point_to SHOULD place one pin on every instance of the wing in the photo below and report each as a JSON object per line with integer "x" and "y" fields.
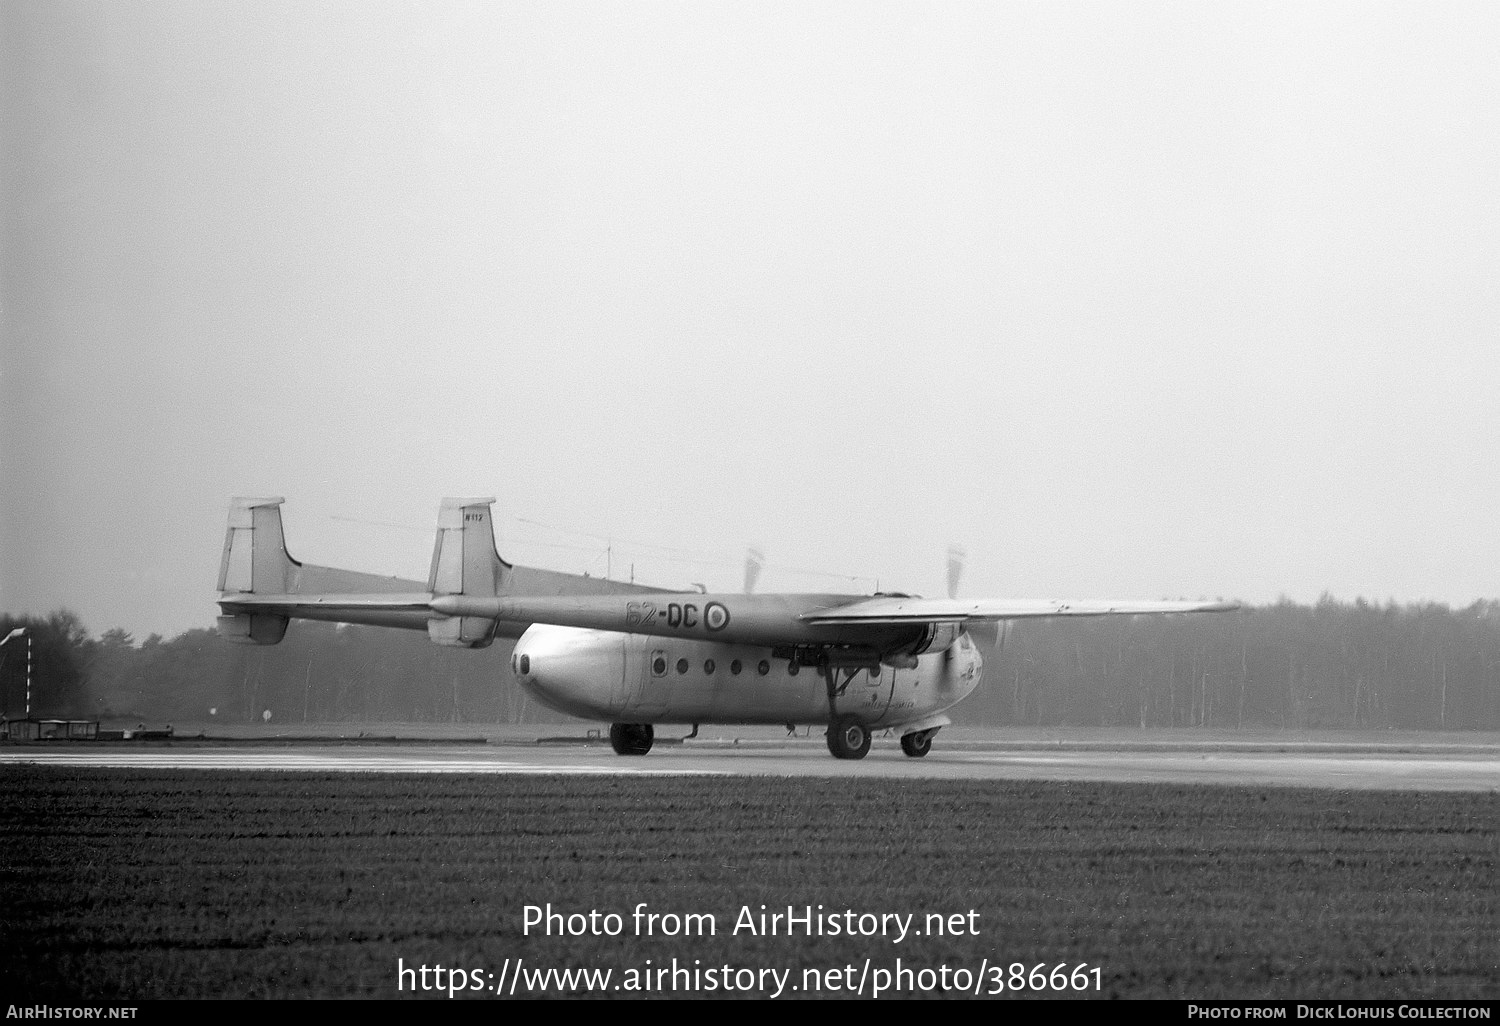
{"x": 897, "y": 610}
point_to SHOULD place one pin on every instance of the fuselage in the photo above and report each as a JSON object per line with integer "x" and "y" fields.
{"x": 619, "y": 677}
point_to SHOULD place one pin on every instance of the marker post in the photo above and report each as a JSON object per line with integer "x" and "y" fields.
{"x": 8, "y": 637}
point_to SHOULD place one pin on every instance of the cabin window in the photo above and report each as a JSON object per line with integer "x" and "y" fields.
{"x": 525, "y": 664}
{"x": 763, "y": 668}
{"x": 735, "y": 667}
{"x": 708, "y": 666}
{"x": 682, "y": 665}
{"x": 659, "y": 665}
{"x": 792, "y": 668}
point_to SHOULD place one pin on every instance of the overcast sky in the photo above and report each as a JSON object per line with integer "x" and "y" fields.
{"x": 1127, "y": 299}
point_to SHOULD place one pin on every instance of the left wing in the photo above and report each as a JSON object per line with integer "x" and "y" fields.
{"x": 892, "y": 609}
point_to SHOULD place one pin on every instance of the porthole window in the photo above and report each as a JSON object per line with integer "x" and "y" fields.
{"x": 736, "y": 666}
{"x": 763, "y": 668}
{"x": 792, "y": 668}
{"x": 659, "y": 666}
{"x": 708, "y": 666}
{"x": 682, "y": 665}
{"x": 525, "y": 664}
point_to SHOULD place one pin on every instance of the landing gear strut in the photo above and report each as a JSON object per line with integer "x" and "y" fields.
{"x": 848, "y": 738}
{"x": 631, "y": 738}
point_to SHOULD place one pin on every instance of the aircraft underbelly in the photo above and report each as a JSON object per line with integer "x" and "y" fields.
{"x": 710, "y": 691}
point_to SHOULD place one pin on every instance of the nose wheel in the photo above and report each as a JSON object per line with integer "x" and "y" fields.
{"x": 631, "y": 738}
{"x": 918, "y": 744}
{"x": 848, "y": 738}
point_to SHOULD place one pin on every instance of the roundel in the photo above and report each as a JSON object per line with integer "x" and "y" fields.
{"x": 716, "y": 616}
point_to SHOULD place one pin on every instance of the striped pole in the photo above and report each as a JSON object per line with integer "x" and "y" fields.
{"x": 13, "y": 634}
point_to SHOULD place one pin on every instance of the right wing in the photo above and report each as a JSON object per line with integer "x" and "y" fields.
{"x": 897, "y": 609}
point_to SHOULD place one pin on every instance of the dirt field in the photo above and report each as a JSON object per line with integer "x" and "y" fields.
{"x": 133, "y": 884}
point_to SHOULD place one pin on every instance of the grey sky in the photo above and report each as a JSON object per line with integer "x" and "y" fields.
{"x": 1147, "y": 300}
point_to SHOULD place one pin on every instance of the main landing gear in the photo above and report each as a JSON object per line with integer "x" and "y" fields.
{"x": 631, "y": 738}
{"x": 848, "y": 738}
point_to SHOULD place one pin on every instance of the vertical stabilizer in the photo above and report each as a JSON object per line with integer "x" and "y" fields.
{"x": 465, "y": 562}
{"x": 255, "y": 561}
{"x": 255, "y": 557}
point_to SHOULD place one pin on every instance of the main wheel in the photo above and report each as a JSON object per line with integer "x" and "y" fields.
{"x": 631, "y": 738}
{"x": 848, "y": 738}
{"x": 917, "y": 744}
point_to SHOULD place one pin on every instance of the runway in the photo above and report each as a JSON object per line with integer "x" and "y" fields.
{"x": 1397, "y": 768}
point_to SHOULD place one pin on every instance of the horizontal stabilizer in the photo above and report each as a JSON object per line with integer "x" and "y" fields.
{"x": 301, "y": 605}
{"x": 398, "y": 609}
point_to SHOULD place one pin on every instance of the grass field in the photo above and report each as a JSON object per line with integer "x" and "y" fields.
{"x": 125, "y": 885}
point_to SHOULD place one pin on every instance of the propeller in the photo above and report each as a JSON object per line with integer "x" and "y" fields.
{"x": 956, "y": 560}
{"x": 956, "y": 557}
{"x": 754, "y": 561}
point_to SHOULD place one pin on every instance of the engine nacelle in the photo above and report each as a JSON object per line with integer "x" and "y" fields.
{"x": 937, "y": 637}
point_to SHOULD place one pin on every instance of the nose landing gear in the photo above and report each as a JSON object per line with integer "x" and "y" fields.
{"x": 917, "y": 744}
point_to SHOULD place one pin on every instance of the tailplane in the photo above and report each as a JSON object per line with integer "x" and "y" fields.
{"x": 261, "y": 587}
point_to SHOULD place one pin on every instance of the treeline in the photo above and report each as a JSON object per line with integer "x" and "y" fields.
{"x": 1333, "y": 664}
{"x": 320, "y": 673}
